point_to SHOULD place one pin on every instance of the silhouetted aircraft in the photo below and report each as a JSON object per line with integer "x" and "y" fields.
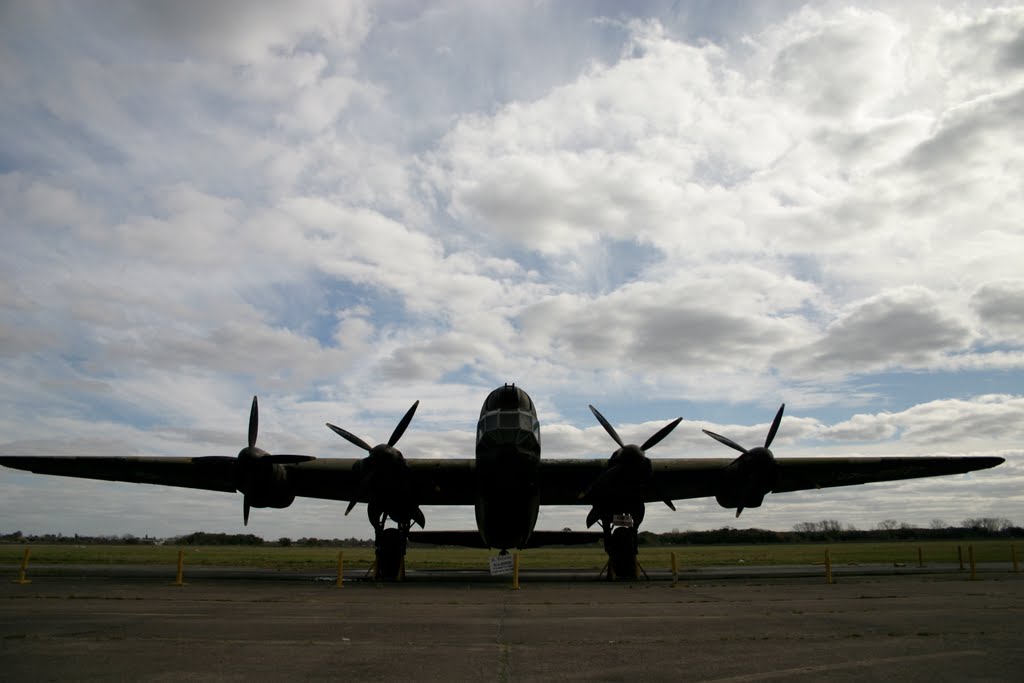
{"x": 506, "y": 482}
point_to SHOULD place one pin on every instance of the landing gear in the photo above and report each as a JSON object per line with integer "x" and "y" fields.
{"x": 390, "y": 554}
{"x": 620, "y": 542}
{"x": 621, "y": 549}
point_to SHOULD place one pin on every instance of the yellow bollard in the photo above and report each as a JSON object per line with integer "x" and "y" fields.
{"x": 515, "y": 571}
{"x": 960, "y": 556}
{"x": 920, "y": 557}
{"x": 1013, "y": 556}
{"x": 22, "y": 579}
{"x": 341, "y": 565}
{"x": 675, "y": 570}
{"x": 828, "y": 566}
{"x": 180, "y": 579}
{"x": 970, "y": 558}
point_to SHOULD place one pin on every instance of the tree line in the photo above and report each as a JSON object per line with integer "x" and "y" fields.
{"x": 194, "y": 538}
{"x": 833, "y": 530}
{"x": 825, "y": 530}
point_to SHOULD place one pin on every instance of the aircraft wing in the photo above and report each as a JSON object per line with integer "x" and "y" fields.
{"x": 212, "y": 474}
{"x": 452, "y": 481}
{"x": 438, "y": 482}
{"x": 797, "y": 474}
{"x": 564, "y": 482}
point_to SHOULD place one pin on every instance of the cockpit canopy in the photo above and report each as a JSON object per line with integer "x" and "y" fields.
{"x": 508, "y": 417}
{"x": 508, "y": 397}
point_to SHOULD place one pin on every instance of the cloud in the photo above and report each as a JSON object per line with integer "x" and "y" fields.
{"x": 666, "y": 211}
{"x": 840, "y": 66}
{"x": 244, "y": 32}
{"x": 1000, "y": 305}
{"x": 905, "y": 327}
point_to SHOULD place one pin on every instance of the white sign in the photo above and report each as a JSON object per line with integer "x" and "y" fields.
{"x": 500, "y": 565}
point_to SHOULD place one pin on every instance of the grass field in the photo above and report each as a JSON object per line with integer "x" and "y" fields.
{"x": 688, "y": 556}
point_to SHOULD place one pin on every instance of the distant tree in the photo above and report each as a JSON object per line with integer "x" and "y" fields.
{"x": 284, "y": 541}
{"x": 937, "y": 524}
{"x": 830, "y": 526}
{"x": 888, "y": 525}
{"x": 824, "y": 526}
{"x": 987, "y": 524}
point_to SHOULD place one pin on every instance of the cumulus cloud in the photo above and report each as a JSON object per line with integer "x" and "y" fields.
{"x": 906, "y": 327}
{"x": 1000, "y": 305}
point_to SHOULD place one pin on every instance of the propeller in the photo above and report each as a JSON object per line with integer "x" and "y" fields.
{"x": 767, "y": 442}
{"x": 759, "y": 459}
{"x": 254, "y": 466}
{"x": 629, "y": 469}
{"x": 254, "y": 427}
{"x": 384, "y": 472}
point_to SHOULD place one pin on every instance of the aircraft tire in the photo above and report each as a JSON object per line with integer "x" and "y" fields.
{"x": 390, "y": 552}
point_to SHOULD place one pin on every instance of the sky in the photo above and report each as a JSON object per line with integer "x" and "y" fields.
{"x": 664, "y": 209}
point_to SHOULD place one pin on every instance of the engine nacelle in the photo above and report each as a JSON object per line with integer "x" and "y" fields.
{"x": 265, "y": 485}
{"x": 747, "y": 479}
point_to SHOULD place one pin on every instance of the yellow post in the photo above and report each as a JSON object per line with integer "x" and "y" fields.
{"x": 515, "y": 571}
{"x": 828, "y": 566}
{"x": 180, "y": 580}
{"x": 970, "y": 558}
{"x": 1013, "y": 556}
{"x": 920, "y": 557}
{"x": 22, "y": 579}
{"x": 960, "y": 556}
{"x": 675, "y": 570}
{"x": 341, "y": 565}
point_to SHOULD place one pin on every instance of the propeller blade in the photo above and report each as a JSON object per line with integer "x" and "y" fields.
{"x": 662, "y": 433}
{"x": 400, "y": 429}
{"x": 351, "y": 504}
{"x": 254, "y": 422}
{"x": 775, "y": 426}
{"x": 245, "y": 510}
{"x": 593, "y": 516}
{"x": 607, "y": 426}
{"x": 738, "y": 511}
{"x": 417, "y": 516}
{"x": 727, "y": 441}
{"x": 350, "y": 437}
{"x": 661, "y": 494}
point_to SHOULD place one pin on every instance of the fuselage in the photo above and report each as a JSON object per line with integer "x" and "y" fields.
{"x": 507, "y": 464}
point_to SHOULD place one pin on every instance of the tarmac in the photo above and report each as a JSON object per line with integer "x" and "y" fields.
{"x": 88, "y": 623}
